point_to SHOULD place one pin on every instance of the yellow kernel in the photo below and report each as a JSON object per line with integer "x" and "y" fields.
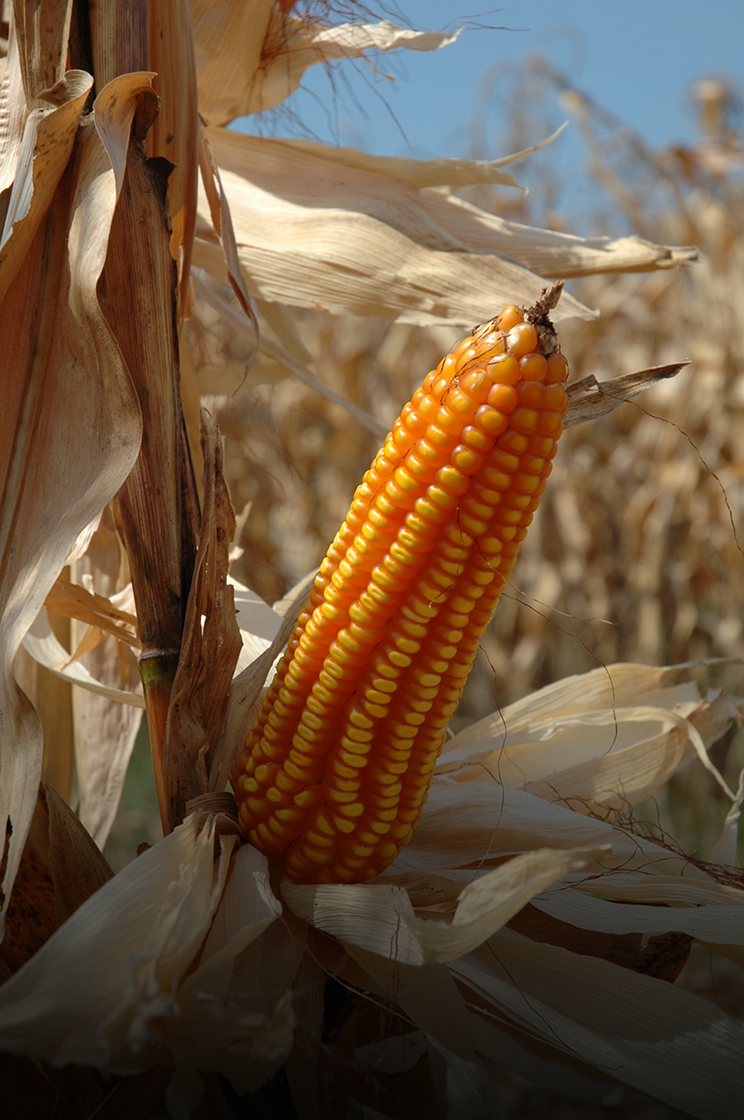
{"x": 359, "y": 719}
{"x": 352, "y": 810}
{"x": 476, "y": 384}
{"x": 491, "y": 420}
{"x": 557, "y": 369}
{"x": 550, "y": 425}
{"x": 534, "y": 367}
{"x": 467, "y": 459}
{"x": 509, "y": 318}
{"x": 473, "y": 437}
{"x": 521, "y": 339}
{"x": 343, "y": 825}
{"x": 352, "y": 747}
{"x": 531, "y": 394}
{"x": 318, "y": 857}
{"x": 288, "y": 815}
{"x": 387, "y": 850}
{"x": 556, "y": 399}
{"x": 341, "y": 873}
{"x": 525, "y": 420}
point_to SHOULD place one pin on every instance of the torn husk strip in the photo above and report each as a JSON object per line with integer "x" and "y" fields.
{"x": 589, "y": 398}
{"x": 72, "y": 601}
{"x": 210, "y": 647}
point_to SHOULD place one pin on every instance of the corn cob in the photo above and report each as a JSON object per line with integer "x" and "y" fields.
{"x": 337, "y": 768}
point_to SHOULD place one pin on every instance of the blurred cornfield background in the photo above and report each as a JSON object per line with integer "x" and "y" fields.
{"x": 633, "y": 554}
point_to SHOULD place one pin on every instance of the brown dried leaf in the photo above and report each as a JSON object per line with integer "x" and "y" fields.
{"x": 60, "y": 868}
{"x": 174, "y": 133}
{"x": 42, "y": 158}
{"x": 590, "y": 398}
{"x": 211, "y": 644}
{"x": 70, "y": 421}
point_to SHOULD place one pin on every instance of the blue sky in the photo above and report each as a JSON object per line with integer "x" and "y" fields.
{"x": 638, "y": 58}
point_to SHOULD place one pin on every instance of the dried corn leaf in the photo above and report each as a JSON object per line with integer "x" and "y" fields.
{"x": 251, "y": 56}
{"x": 174, "y": 133}
{"x": 105, "y": 729}
{"x": 71, "y": 423}
{"x": 471, "y": 823}
{"x": 430, "y": 999}
{"x": 208, "y": 291}
{"x": 718, "y": 924}
{"x": 554, "y": 749}
{"x": 314, "y": 234}
{"x": 60, "y": 868}
{"x": 105, "y": 732}
{"x": 380, "y": 918}
{"x": 219, "y": 212}
{"x": 72, "y": 601}
{"x": 589, "y": 398}
{"x": 13, "y": 116}
{"x": 43, "y": 155}
{"x": 210, "y": 647}
{"x": 257, "y": 622}
{"x": 420, "y": 173}
{"x": 547, "y": 252}
{"x": 41, "y": 644}
{"x": 650, "y": 1034}
{"x": 114, "y": 987}
{"x": 156, "y": 914}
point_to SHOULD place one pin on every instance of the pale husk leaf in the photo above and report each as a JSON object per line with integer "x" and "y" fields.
{"x": 13, "y": 114}
{"x": 430, "y": 998}
{"x": 644, "y": 1031}
{"x": 588, "y": 399}
{"x": 105, "y": 729}
{"x": 41, "y": 644}
{"x": 343, "y": 238}
{"x": 719, "y": 924}
{"x": 257, "y": 622}
{"x": 105, "y": 733}
{"x": 74, "y": 438}
{"x": 93, "y": 993}
{"x": 238, "y": 997}
{"x": 379, "y": 917}
{"x": 245, "y": 695}
{"x": 251, "y": 57}
{"x": 547, "y": 252}
{"x": 470, "y": 823}
{"x": 420, "y": 173}
{"x": 553, "y": 747}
